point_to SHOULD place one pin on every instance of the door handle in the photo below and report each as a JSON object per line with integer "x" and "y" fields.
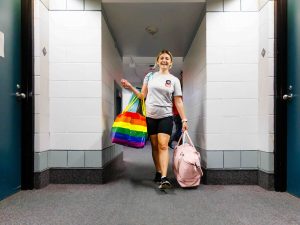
{"x": 20, "y": 96}
{"x": 287, "y": 97}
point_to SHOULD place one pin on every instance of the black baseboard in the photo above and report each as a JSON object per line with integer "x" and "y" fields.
{"x": 238, "y": 177}
{"x": 266, "y": 180}
{"x": 76, "y": 176}
{"x": 41, "y": 179}
{"x": 225, "y": 177}
{"x": 80, "y": 176}
{"x": 114, "y": 169}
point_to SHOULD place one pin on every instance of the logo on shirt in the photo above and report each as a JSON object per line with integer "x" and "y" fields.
{"x": 168, "y": 83}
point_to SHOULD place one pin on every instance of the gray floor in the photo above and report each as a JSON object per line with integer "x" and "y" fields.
{"x": 133, "y": 199}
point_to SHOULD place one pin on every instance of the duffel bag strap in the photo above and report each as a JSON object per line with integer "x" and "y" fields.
{"x": 130, "y": 104}
{"x": 143, "y": 107}
{"x": 188, "y": 136}
{"x": 183, "y": 137}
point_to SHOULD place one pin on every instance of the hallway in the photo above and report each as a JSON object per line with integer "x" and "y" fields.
{"x": 133, "y": 199}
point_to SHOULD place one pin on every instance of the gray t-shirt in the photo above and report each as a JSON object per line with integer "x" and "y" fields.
{"x": 161, "y": 89}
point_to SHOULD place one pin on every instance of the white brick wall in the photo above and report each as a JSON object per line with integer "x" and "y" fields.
{"x": 111, "y": 71}
{"x": 75, "y": 80}
{"x": 266, "y": 77}
{"x": 194, "y": 85}
{"x": 235, "y": 97}
{"x": 41, "y": 72}
{"x": 234, "y": 5}
{"x": 232, "y": 73}
{"x": 262, "y": 3}
{"x": 73, "y": 4}
{"x": 249, "y": 5}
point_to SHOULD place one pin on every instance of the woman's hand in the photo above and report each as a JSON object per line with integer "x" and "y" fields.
{"x": 184, "y": 126}
{"x": 125, "y": 84}
{"x": 140, "y": 95}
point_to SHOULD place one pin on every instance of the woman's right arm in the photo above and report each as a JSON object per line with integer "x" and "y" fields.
{"x": 140, "y": 95}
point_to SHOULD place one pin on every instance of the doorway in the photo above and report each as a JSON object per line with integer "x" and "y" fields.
{"x": 292, "y": 97}
{"x": 287, "y": 121}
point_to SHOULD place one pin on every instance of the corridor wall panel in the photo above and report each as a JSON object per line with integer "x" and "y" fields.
{"x": 111, "y": 72}
{"x": 74, "y": 44}
{"x": 266, "y": 87}
{"x": 41, "y": 74}
{"x": 194, "y": 86}
{"x": 266, "y": 78}
{"x": 236, "y": 53}
{"x": 235, "y": 95}
{"x": 74, "y": 93}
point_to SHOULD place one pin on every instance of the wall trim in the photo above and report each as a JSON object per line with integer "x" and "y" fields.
{"x": 265, "y": 180}
{"x": 50, "y": 6}
{"x": 115, "y": 168}
{"x": 75, "y": 158}
{"x": 222, "y": 4}
{"x": 237, "y": 160}
{"x": 80, "y": 175}
{"x": 238, "y": 177}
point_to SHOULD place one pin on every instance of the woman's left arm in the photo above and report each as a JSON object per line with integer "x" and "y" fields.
{"x": 179, "y": 105}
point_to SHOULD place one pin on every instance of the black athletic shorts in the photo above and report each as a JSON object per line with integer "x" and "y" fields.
{"x": 163, "y": 125}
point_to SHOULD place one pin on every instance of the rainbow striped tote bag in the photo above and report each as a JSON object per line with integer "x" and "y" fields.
{"x": 130, "y": 128}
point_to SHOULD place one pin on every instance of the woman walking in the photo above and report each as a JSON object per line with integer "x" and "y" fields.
{"x": 160, "y": 88}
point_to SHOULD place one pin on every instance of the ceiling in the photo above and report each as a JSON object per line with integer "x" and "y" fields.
{"x": 175, "y": 23}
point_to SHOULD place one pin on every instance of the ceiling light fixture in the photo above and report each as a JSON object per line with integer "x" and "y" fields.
{"x": 151, "y": 30}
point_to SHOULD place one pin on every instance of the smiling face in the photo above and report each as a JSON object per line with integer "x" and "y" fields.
{"x": 164, "y": 61}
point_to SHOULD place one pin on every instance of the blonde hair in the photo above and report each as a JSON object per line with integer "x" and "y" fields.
{"x": 164, "y": 51}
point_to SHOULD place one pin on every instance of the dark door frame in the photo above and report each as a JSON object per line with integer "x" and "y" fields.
{"x": 280, "y": 120}
{"x": 27, "y": 84}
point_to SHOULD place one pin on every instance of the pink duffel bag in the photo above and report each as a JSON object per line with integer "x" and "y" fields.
{"x": 186, "y": 163}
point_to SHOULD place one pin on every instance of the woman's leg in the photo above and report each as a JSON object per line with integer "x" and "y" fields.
{"x": 163, "y": 152}
{"x": 155, "y": 156}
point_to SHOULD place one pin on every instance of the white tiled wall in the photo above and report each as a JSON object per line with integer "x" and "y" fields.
{"x": 232, "y": 74}
{"x": 74, "y": 102}
{"x": 233, "y": 5}
{"x": 266, "y": 77}
{"x": 73, "y": 5}
{"x": 57, "y": 4}
{"x": 75, "y": 79}
{"x": 233, "y": 111}
{"x": 249, "y": 5}
{"x": 262, "y": 3}
{"x": 194, "y": 86}
{"x": 41, "y": 72}
{"x": 68, "y": 86}
{"x": 111, "y": 72}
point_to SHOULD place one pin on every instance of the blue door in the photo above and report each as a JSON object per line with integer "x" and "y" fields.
{"x": 10, "y": 108}
{"x": 293, "y": 97}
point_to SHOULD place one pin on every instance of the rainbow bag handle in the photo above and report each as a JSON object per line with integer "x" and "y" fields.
{"x": 129, "y": 128}
{"x": 131, "y": 103}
